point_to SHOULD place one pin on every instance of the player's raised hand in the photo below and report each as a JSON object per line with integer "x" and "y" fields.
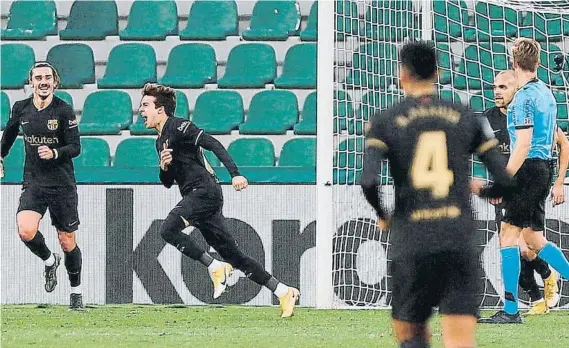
{"x": 165, "y": 157}
{"x": 45, "y": 152}
{"x": 239, "y": 183}
{"x": 557, "y": 195}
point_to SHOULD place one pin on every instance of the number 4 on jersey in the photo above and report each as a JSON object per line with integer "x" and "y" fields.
{"x": 430, "y": 164}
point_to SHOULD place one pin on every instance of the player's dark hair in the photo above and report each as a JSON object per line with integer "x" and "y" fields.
{"x": 45, "y": 65}
{"x": 164, "y": 96}
{"x": 420, "y": 59}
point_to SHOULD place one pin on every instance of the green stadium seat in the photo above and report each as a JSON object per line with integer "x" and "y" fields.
{"x": 562, "y": 116}
{"x": 343, "y": 110}
{"x": 106, "y": 113}
{"x": 449, "y": 95}
{"x": 271, "y": 112}
{"x": 390, "y": 20}
{"x": 299, "y": 70}
{"x": 479, "y": 169}
{"x": 273, "y": 20}
{"x": 493, "y": 23}
{"x": 565, "y": 25}
{"x": 479, "y": 103}
{"x": 15, "y": 60}
{"x": 347, "y": 20}
{"x": 480, "y": 64}
{"x": 212, "y": 159}
{"x": 130, "y": 65}
{"x": 202, "y": 70}
{"x": 299, "y": 152}
{"x": 182, "y": 111}
{"x": 17, "y": 155}
{"x": 151, "y": 20}
{"x": 252, "y": 152}
{"x": 307, "y": 125}
{"x": 4, "y": 110}
{"x": 31, "y": 20}
{"x": 249, "y": 66}
{"x": 65, "y": 96}
{"x": 444, "y": 55}
{"x": 543, "y": 27}
{"x": 91, "y": 20}
{"x": 95, "y": 152}
{"x": 348, "y": 161}
{"x": 136, "y": 153}
{"x": 451, "y": 17}
{"x": 369, "y": 104}
{"x": 310, "y": 33}
{"x": 218, "y": 112}
{"x": 374, "y": 66}
{"x": 74, "y": 63}
{"x": 547, "y": 62}
{"x": 211, "y": 20}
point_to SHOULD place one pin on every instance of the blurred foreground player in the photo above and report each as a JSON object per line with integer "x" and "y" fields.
{"x": 51, "y": 141}
{"x": 429, "y": 143}
{"x": 180, "y": 145}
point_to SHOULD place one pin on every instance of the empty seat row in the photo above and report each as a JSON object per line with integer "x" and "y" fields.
{"x": 495, "y": 23}
{"x": 154, "y": 20}
{"x": 217, "y": 112}
{"x": 141, "y": 152}
{"x": 131, "y": 65}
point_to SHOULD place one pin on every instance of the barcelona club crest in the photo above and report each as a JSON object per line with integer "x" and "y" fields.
{"x": 52, "y": 124}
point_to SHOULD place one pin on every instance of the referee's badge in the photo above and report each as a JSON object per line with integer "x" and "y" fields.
{"x": 52, "y": 124}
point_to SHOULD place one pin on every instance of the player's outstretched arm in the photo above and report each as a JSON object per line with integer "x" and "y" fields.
{"x": 557, "y": 194}
{"x": 374, "y": 154}
{"x": 10, "y": 132}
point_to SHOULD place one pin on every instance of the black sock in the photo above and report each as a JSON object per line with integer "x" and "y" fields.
{"x": 272, "y": 284}
{"x": 38, "y": 247}
{"x": 415, "y": 343}
{"x": 73, "y": 263}
{"x": 527, "y": 281}
{"x": 206, "y": 259}
{"x": 541, "y": 267}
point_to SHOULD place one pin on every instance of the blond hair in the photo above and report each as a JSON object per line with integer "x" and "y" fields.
{"x": 526, "y": 54}
{"x": 163, "y": 96}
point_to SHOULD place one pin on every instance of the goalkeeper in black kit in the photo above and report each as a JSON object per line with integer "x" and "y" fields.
{"x": 180, "y": 145}
{"x": 429, "y": 143}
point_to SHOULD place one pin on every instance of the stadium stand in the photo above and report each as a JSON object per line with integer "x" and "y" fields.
{"x": 252, "y": 73}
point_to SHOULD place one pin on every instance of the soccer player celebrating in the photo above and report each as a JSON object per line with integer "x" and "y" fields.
{"x": 531, "y": 125}
{"x": 51, "y": 141}
{"x": 504, "y": 89}
{"x": 429, "y": 143}
{"x": 180, "y": 145}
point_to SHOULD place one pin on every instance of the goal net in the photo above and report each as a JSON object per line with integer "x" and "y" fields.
{"x": 473, "y": 41}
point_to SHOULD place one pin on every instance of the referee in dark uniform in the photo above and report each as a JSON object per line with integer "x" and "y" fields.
{"x": 51, "y": 140}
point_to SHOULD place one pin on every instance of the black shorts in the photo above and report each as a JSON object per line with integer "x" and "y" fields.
{"x": 526, "y": 205}
{"x": 200, "y": 204}
{"x": 61, "y": 201}
{"x": 447, "y": 280}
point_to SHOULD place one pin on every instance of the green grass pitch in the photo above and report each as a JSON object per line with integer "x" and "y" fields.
{"x": 140, "y": 326}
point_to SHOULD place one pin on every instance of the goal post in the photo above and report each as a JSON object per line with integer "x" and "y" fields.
{"x": 358, "y": 47}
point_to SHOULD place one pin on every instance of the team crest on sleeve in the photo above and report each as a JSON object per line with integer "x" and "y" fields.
{"x": 52, "y": 124}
